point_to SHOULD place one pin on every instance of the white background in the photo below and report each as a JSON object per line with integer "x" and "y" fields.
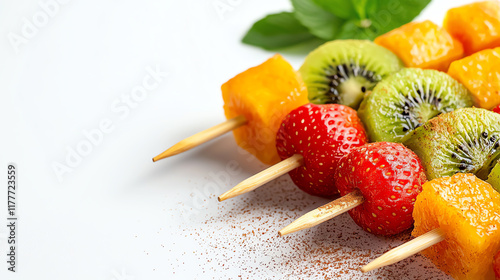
{"x": 117, "y": 215}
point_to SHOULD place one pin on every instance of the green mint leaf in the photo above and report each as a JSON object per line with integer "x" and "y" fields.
{"x": 343, "y": 9}
{"x": 360, "y": 8}
{"x": 371, "y": 7}
{"x": 353, "y": 29}
{"x": 391, "y": 14}
{"x": 382, "y": 16}
{"x": 364, "y": 7}
{"x": 277, "y": 31}
{"x": 321, "y": 23}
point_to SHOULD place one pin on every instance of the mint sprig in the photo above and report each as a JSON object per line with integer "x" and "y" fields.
{"x": 277, "y": 31}
{"x": 330, "y": 20}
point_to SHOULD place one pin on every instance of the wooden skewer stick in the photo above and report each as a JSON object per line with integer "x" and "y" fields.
{"x": 408, "y": 249}
{"x": 325, "y": 212}
{"x": 202, "y": 137}
{"x": 264, "y": 176}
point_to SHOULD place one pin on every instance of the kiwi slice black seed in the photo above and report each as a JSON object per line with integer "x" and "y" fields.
{"x": 342, "y": 71}
{"x": 466, "y": 140}
{"x": 407, "y": 99}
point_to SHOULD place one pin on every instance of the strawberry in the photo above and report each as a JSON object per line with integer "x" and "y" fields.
{"x": 322, "y": 134}
{"x": 390, "y": 176}
{"x": 496, "y": 265}
{"x": 496, "y": 109}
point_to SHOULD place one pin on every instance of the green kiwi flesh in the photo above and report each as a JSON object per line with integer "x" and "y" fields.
{"x": 466, "y": 140}
{"x": 494, "y": 177}
{"x": 407, "y": 99}
{"x": 341, "y": 71}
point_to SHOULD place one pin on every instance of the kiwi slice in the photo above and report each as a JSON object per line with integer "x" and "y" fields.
{"x": 494, "y": 177}
{"x": 466, "y": 140}
{"x": 407, "y": 99}
{"x": 342, "y": 71}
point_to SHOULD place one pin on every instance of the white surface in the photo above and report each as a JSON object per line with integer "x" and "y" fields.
{"x": 119, "y": 216}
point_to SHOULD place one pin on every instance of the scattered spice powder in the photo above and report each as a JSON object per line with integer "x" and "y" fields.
{"x": 242, "y": 239}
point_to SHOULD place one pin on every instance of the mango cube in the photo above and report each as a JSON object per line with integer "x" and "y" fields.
{"x": 422, "y": 45}
{"x": 264, "y": 95}
{"x": 467, "y": 210}
{"x": 480, "y": 74}
{"x": 476, "y": 25}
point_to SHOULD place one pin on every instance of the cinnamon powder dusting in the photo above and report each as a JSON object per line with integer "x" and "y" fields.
{"x": 238, "y": 239}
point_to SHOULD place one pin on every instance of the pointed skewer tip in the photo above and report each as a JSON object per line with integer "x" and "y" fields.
{"x": 264, "y": 177}
{"x": 410, "y": 248}
{"x": 166, "y": 154}
{"x": 365, "y": 269}
{"x": 202, "y": 137}
{"x": 325, "y": 212}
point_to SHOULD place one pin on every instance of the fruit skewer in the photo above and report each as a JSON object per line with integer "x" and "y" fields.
{"x": 255, "y": 102}
{"x": 466, "y": 140}
{"x": 396, "y": 106}
{"x": 456, "y": 225}
{"x": 311, "y": 140}
{"x": 379, "y": 183}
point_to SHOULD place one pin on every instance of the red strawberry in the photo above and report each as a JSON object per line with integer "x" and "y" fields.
{"x": 496, "y": 109}
{"x": 496, "y": 265}
{"x": 322, "y": 134}
{"x": 390, "y": 176}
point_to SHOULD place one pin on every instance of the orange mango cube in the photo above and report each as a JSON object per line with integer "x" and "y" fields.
{"x": 422, "y": 45}
{"x": 264, "y": 95}
{"x": 467, "y": 210}
{"x": 480, "y": 73}
{"x": 476, "y": 25}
